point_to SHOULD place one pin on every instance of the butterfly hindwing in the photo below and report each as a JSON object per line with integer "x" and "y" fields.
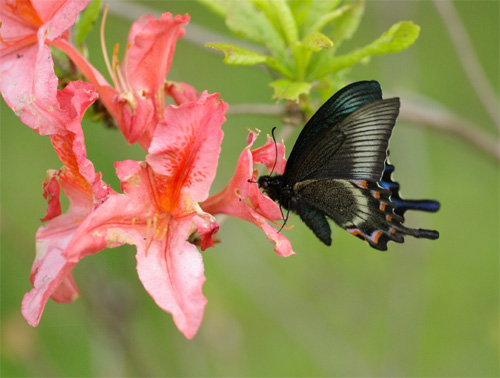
{"x": 361, "y": 207}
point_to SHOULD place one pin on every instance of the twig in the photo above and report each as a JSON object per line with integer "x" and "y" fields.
{"x": 438, "y": 118}
{"x": 444, "y": 120}
{"x": 469, "y": 59}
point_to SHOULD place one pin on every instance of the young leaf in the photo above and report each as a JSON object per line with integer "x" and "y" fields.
{"x": 216, "y": 6}
{"x": 286, "y": 20}
{"x": 308, "y": 12}
{"x": 86, "y": 21}
{"x": 245, "y": 19}
{"x": 285, "y": 89}
{"x": 399, "y": 37}
{"x": 236, "y": 55}
{"x": 317, "y": 41}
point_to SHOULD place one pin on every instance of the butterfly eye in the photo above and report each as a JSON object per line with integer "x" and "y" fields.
{"x": 263, "y": 182}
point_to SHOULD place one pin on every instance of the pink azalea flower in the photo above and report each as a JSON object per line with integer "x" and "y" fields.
{"x": 158, "y": 212}
{"x": 137, "y": 97}
{"x": 241, "y": 198}
{"x": 27, "y": 80}
{"x": 51, "y": 272}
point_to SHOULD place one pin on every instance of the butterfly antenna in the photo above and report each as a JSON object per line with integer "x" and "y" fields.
{"x": 285, "y": 218}
{"x": 276, "y": 154}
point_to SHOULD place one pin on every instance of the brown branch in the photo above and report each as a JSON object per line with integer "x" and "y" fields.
{"x": 448, "y": 122}
{"x": 468, "y": 58}
{"x": 437, "y": 118}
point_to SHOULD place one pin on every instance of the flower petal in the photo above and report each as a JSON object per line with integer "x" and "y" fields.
{"x": 51, "y": 266}
{"x": 28, "y": 82}
{"x": 58, "y": 16}
{"x": 172, "y": 272}
{"x": 182, "y": 92}
{"x": 241, "y": 198}
{"x": 152, "y": 46}
{"x": 272, "y": 155}
{"x": 186, "y": 146}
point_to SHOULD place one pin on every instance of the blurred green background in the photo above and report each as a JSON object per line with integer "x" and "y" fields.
{"x": 424, "y": 308}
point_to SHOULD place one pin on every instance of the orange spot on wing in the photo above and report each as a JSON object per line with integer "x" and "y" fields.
{"x": 376, "y": 236}
{"x": 356, "y": 232}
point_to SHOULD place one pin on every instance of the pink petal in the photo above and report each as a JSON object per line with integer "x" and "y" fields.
{"x": 28, "y": 82}
{"x": 70, "y": 145}
{"x": 152, "y": 48}
{"x": 242, "y": 198}
{"x": 207, "y": 226}
{"x": 172, "y": 272}
{"x": 272, "y": 155}
{"x": 67, "y": 291}
{"x": 182, "y": 92}
{"x": 48, "y": 275}
{"x": 186, "y": 145}
{"x": 51, "y": 194}
{"x": 58, "y": 15}
{"x": 29, "y": 87}
{"x": 51, "y": 267}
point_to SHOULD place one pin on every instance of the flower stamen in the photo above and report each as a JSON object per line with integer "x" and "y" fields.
{"x": 103, "y": 46}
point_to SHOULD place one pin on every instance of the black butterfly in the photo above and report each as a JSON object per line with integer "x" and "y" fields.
{"x": 337, "y": 168}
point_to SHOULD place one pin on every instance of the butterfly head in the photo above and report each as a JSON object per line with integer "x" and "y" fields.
{"x": 272, "y": 186}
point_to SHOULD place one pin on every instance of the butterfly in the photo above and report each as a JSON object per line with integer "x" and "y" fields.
{"x": 338, "y": 169}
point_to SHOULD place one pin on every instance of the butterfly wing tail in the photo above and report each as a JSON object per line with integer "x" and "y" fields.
{"x": 403, "y": 205}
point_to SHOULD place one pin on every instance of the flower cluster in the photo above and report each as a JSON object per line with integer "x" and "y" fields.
{"x": 164, "y": 200}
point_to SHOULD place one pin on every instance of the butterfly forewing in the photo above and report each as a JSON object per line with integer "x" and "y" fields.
{"x": 340, "y": 105}
{"x": 355, "y": 148}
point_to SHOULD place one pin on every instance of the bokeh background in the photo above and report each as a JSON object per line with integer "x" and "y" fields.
{"x": 424, "y": 308}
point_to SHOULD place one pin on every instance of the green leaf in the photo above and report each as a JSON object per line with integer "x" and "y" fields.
{"x": 245, "y": 19}
{"x": 236, "y": 55}
{"x": 399, "y": 37}
{"x": 239, "y": 56}
{"x": 216, "y": 6}
{"x": 286, "y": 20}
{"x": 285, "y": 89}
{"x": 317, "y": 41}
{"x": 347, "y": 23}
{"x": 86, "y": 21}
{"x": 307, "y": 12}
